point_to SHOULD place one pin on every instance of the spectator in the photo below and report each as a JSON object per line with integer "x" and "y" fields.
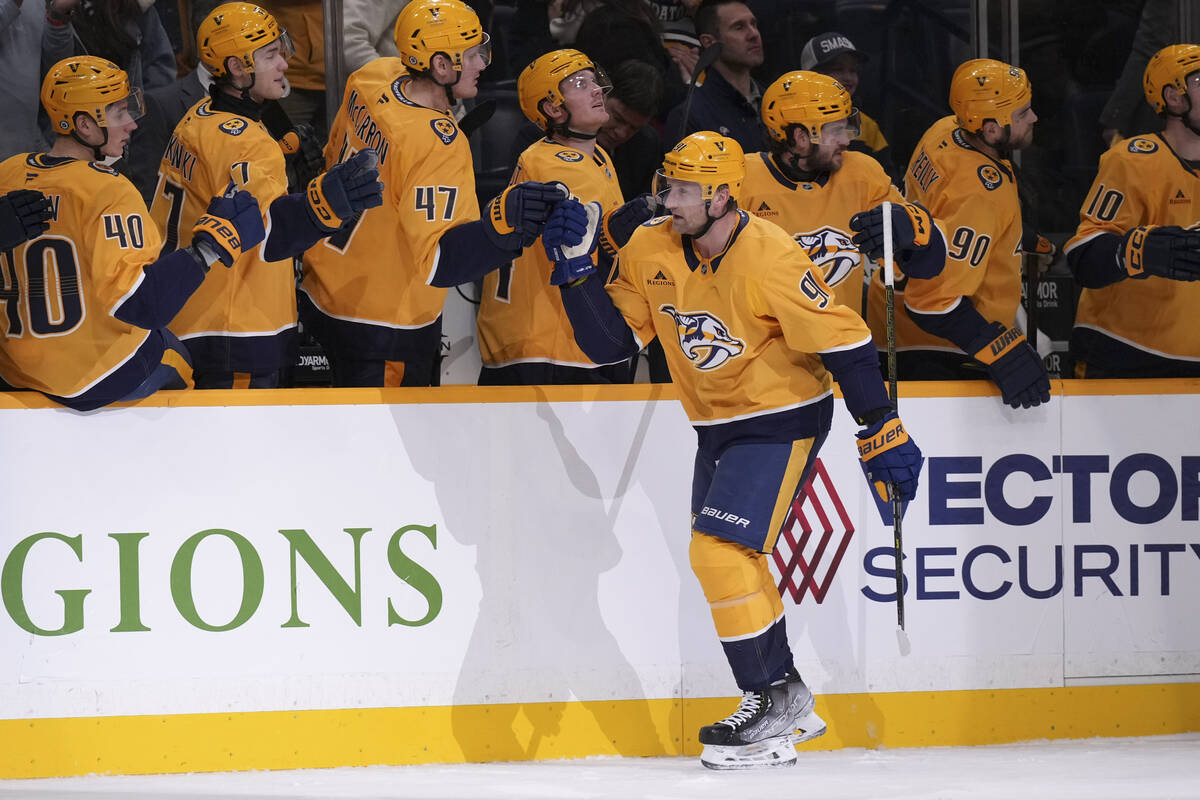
{"x": 1136, "y": 252}
{"x": 812, "y": 186}
{"x": 619, "y": 30}
{"x": 126, "y": 32}
{"x": 20, "y": 54}
{"x": 728, "y": 100}
{"x": 835, "y": 55}
{"x": 524, "y": 336}
{"x": 963, "y": 321}
{"x": 634, "y": 144}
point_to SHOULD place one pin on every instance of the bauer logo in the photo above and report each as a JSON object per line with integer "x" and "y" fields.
{"x": 814, "y": 539}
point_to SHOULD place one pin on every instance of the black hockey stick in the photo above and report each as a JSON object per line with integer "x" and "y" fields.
{"x": 889, "y": 282}
{"x": 707, "y": 57}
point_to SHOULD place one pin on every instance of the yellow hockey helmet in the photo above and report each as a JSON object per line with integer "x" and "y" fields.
{"x": 984, "y": 89}
{"x": 809, "y": 99}
{"x": 236, "y": 30}
{"x": 1169, "y": 67}
{"x": 90, "y": 85}
{"x": 428, "y": 27}
{"x": 707, "y": 159}
{"x": 542, "y": 80}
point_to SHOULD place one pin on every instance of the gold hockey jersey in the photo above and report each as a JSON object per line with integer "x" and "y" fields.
{"x": 378, "y": 272}
{"x": 59, "y": 291}
{"x": 974, "y": 199}
{"x": 741, "y": 331}
{"x": 254, "y": 298}
{"x": 521, "y": 317}
{"x": 818, "y": 216}
{"x": 1142, "y": 182}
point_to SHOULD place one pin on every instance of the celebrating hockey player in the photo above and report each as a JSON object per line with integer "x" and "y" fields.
{"x": 754, "y": 339}
{"x": 373, "y": 295}
{"x": 524, "y": 335}
{"x": 962, "y": 323}
{"x": 88, "y": 298}
{"x": 1137, "y": 249}
{"x": 241, "y": 325}
{"x": 811, "y": 185}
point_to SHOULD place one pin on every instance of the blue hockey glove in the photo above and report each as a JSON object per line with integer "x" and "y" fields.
{"x": 232, "y": 225}
{"x": 1166, "y": 251}
{"x": 621, "y": 222}
{"x": 24, "y": 215}
{"x": 912, "y": 230}
{"x": 890, "y": 457}
{"x": 570, "y": 239}
{"x": 1013, "y": 365}
{"x": 344, "y": 190}
{"x": 514, "y": 219}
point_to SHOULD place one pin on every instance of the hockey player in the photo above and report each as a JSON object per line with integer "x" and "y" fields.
{"x": 753, "y": 352}
{"x": 524, "y": 335}
{"x": 962, "y": 322}
{"x": 373, "y": 294}
{"x": 812, "y": 185}
{"x": 87, "y": 300}
{"x": 241, "y": 325}
{"x": 1137, "y": 249}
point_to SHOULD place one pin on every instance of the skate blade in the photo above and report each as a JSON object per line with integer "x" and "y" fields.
{"x": 808, "y": 727}
{"x": 778, "y": 751}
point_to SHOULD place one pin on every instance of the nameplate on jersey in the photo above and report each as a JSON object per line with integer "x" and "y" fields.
{"x": 445, "y": 129}
{"x": 990, "y": 177}
{"x": 234, "y": 127}
{"x": 570, "y": 156}
{"x": 1140, "y": 145}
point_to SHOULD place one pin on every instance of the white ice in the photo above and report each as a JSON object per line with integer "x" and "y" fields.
{"x": 1151, "y": 768}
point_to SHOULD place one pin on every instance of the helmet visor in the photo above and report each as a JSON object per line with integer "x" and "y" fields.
{"x": 848, "y": 129}
{"x": 483, "y": 51}
{"x": 126, "y": 110}
{"x": 286, "y": 47}
{"x": 674, "y": 193}
{"x": 584, "y": 81}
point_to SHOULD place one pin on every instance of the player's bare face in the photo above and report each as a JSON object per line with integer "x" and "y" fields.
{"x": 584, "y": 98}
{"x": 475, "y": 61}
{"x": 270, "y": 65}
{"x": 739, "y": 36}
{"x": 684, "y": 201}
{"x": 120, "y": 118}
{"x": 1021, "y": 133}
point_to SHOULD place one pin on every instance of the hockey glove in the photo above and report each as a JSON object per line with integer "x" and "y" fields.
{"x": 302, "y": 149}
{"x": 1013, "y": 365}
{"x": 344, "y": 190}
{"x": 1038, "y": 246}
{"x": 514, "y": 219}
{"x": 890, "y": 457}
{"x": 912, "y": 230}
{"x": 231, "y": 226}
{"x": 570, "y": 239}
{"x": 621, "y": 222}
{"x": 1167, "y": 252}
{"x": 24, "y": 215}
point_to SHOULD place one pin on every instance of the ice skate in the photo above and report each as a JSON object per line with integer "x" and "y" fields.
{"x": 764, "y": 729}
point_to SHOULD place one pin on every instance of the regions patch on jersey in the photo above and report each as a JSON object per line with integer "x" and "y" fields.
{"x": 445, "y": 129}
{"x": 1140, "y": 145}
{"x": 570, "y": 156}
{"x": 990, "y": 177}
{"x": 234, "y": 127}
{"x": 832, "y": 251}
{"x": 704, "y": 339}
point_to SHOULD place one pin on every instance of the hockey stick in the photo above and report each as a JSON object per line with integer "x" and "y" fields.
{"x": 707, "y": 56}
{"x": 889, "y": 282}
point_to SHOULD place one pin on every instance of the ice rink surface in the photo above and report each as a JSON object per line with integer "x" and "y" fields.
{"x": 1153, "y": 768}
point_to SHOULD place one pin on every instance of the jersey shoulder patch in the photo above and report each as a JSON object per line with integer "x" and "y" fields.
{"x": 234, "y": 127}
{"x": 444, "y": 128}
{"x": 990, "y": 177}
{"x": 570, "y": 156}
{"x": 1139, "y": 144}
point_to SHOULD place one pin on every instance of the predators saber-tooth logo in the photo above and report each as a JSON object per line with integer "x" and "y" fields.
{"x": 832, "y": 251}
{"x": 704, "y": 339}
